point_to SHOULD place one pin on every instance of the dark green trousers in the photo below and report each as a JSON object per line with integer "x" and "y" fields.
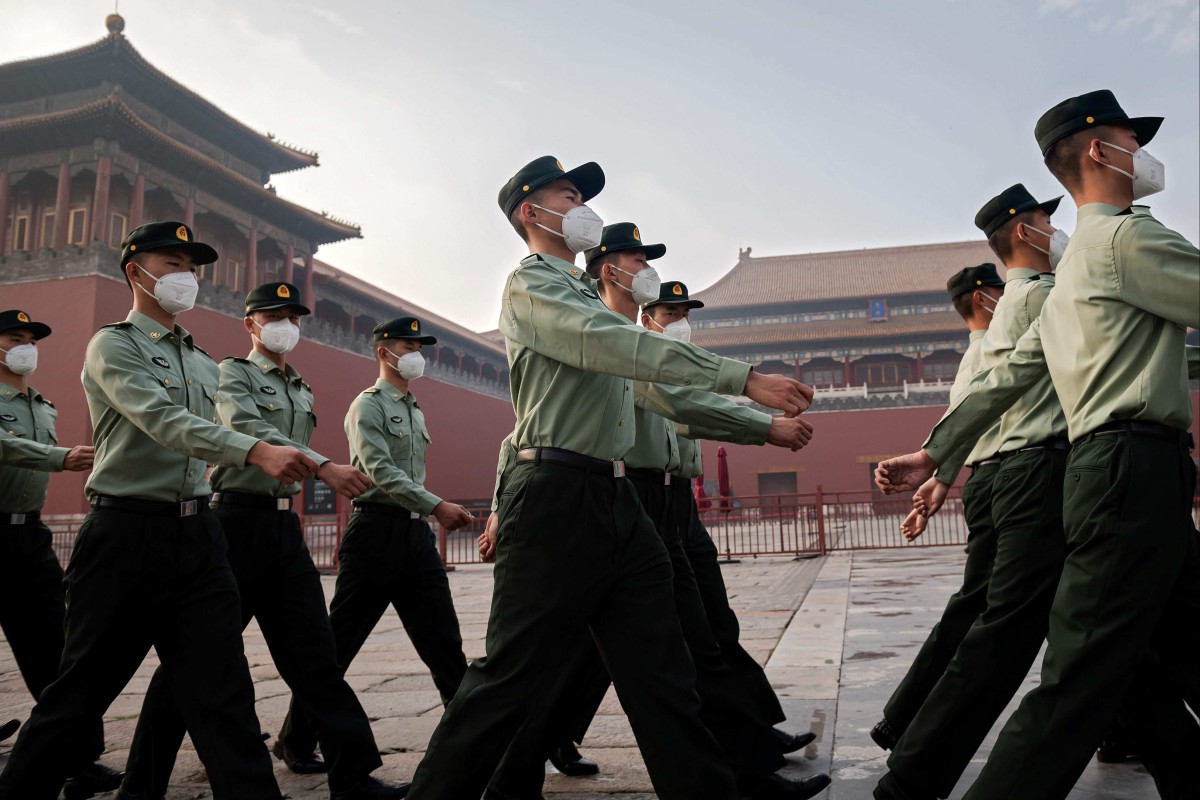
{"x": 703, "y": 557}
{"x": 281, "y": 588}
{"x": 961, "y": 611}
{"x": 138, "y": 581}
{"x": 575, "y": 551}
{"x": 32, "y": 608}
{"x": 998, "y": 649}
{"x": 388, "y": 559}
{"x": 1130, "y": 585}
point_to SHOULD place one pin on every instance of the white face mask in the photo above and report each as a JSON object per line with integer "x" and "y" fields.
{"x": 22, "y": 359}
{"x": 984, "y": 300}
{"x": 581, "y": 227}
{"x": 646, "y": 285}
{"x": 410, "y": 365}
{"x": 175, "y": 292}
{"x": 1058, "y": 244}
{"x": 280, "y": 336}
{"x": 1149, "y": 174}
{"x": 680, "y": 330}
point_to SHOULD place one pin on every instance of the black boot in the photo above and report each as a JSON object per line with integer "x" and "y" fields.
{"x": 92, "y": 780}
{"x": 566, "y": 759}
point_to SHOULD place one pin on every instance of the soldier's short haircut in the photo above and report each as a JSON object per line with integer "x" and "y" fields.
{"x": 964, "y": 305}
{"x": 597, "y": 264}
{"x": 514, "y": 218}
{"x": 1064, "y": 158}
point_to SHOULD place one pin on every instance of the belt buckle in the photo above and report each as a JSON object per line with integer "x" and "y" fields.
{"x": 618, "y": 468}
{"x": 666, "y": 479}
{"x": 189, "y": 508}
{"x": 414, "y": 515}
{"x": 17, "y": 519}
{"x": 283, "y": 504}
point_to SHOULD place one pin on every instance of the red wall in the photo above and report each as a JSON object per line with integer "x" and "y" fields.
{"x": 465, "y": 427}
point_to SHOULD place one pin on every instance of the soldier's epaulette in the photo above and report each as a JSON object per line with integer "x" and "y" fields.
{"x": 372, "y": 390}
{"x": 235, "y": 358}
{"x": 122, "y": 325}
{"x": 306, "y": 386}
{"x": 44, "y": 400}
{"x": 202, "y": 350}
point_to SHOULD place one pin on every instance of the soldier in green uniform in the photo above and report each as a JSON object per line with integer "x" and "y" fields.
{"x": 574, "y": 547}
{"x": 1111, "y": 335}
{"x": 31, "y": 579}
{"x": 669, "y": 315}
{"x": 149, "y": 566}
{"x": 975, "y": 292}
{"x": 622, "y": 258}
{"x": 389, "y": 554}
{"x": 264, "y": 396}
{"x": 996, "y": 653}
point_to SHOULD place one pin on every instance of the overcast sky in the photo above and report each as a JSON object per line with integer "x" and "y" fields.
{"x": 787, "y": 126}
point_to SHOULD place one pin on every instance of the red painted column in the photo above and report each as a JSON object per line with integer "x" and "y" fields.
{"x": 3, "y": 213}
{"x": 62, "y": 206}
{"x": 309, "y": 295}
{"x": 920, "y": 376}
{"x": 846, "y": 370}
{"x": 100, "y": 199}
{"x": 137, "y": 204}
{"x": 189, "y": 212}
{"x": 252, "y": 259}
{"x": 289, "y": 268}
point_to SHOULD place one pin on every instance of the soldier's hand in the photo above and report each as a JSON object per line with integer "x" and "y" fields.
{"x": 344, "y": 479}
{"x": 285, "y": 464}
{"x": 790, "y": 432}
{"x": 904, "y": 473}
{"x": 487, "y": 539}
{"x": 778, "y": 391}
{"x": 929, "y": 499}
{"x": 913, "y": 525}
{"x": 80, "y": 458}
{"x": 452, "y": 516}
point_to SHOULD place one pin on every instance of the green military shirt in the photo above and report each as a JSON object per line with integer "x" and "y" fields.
{"x": 1111, "y": 333}
{"x": 388, "y": 440}
{"x": 29, "y": 417}
{"x": 571, "y": 361}
{"x": 152, "y": 395}
{"x": 275, "y": 406}
{"x": 987, "y": 444}
{"x": 690, "y": 463}
{"x": 707, "y": 415}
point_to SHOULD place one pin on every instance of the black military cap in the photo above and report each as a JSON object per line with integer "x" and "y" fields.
{"x": 673, "y": 293}
{"x": 1014, "y": 200}
{"x": 157, "y": 235}
{"x": 19, "y": 320}
{"x": 623, "y": 236}
{"x": 968, "y": 279}
{"x": 401, "y": 328}
{"x": 1085, "y": 111}
{"x": 588, "y": 179}
{"x": 275, "y": 295}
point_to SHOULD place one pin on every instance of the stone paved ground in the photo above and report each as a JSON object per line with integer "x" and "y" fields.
{"x": 836, "y": 635}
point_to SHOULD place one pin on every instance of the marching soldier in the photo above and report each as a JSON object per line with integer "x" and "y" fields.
{"x": 975, "y": 292}
{"x": 389, "y": 554}
{"x": 575, "y": 549}
{"x": 264, "y": 396}
{"x": 1111, "y": 335}
{"x": 149, "y": 566}
{"x": 32, "y": 601}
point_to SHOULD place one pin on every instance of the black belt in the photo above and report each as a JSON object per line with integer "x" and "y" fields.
{"x": 386, "y": 510}
{"x": 157, "y": 508}
{"x": 1155, "y": 430}
{"x": 554, "y": 455}
{"x": 656, "y": 477}
{"x": 258, "y": 501}
{"x": 1057, "y": 443}
{"x": 19, "y": 519}
{"x": 988, "y": 462}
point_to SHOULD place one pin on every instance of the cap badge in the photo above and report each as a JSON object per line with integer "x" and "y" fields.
{"x": 558, "y": 164}
{"x": 181, "y": 233}
{"x": 416, "y": 326}
{"x": 525, "y": 188}
{"x": 22, "y": 316}
{"x": 1090, "y": 120}
{"x": 979, "y": 283}
{"x": 283, "y": 291}
{"x": 637, "y": 234}
{"x": 677, "y": 290}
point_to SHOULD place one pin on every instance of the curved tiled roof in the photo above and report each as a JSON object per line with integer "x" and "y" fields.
{"x": 111, "y": 110}
{"x": 830, "y": 330}
{"x": 847, "y": 274}
{"x": 115, "y": 60}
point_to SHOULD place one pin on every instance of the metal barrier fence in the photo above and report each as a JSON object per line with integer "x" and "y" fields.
{"x": 769, "y": 525}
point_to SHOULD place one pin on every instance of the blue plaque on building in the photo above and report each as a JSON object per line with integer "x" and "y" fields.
{"x": 878, "y": 310}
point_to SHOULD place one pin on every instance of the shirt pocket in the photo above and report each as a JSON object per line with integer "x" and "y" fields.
{"x": 14, "y": 425}
{"x": 275, "y": 412}
{"x": 206, "y": 404}
{"x": 303, "y": 419}
{"x": 400, "y": 440}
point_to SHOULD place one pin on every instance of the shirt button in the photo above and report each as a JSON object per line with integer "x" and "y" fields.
{"x": 620, "y": 422}
{"x": 166, "y": 382}
{"x": 189, "y": 381}
{"x": 191, "y": 473}
{"x": 687, "y": 382}
{"x": 271, "y": 405}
